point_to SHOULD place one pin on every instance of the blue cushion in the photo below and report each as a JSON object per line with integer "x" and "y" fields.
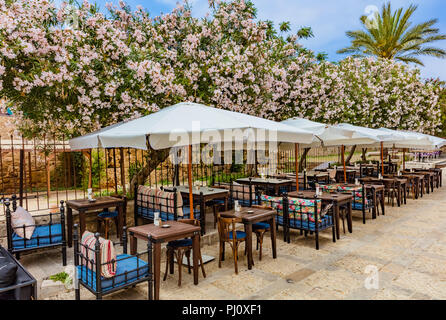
{"x": 238, "y": 234}
{"x": 359, "y": 206}
{"x": 326, "y": 222}
{"x": 40, "y": 237}
{"x": 128, "y": 265}
{"x": 149, "y": 214}
{"x": 108, "y": 214}
{"x": 180, "y": 243}
{"x": 260, "y": 225}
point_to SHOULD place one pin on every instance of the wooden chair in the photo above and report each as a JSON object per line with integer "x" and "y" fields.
{"x": 260, "y": 228}
{"x": 179, "y": 248}
{"x": 106, "y": 217}
{"x": 228, "y": 233}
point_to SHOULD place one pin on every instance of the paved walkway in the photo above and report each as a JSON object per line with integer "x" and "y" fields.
{"x": 401, "y": 255}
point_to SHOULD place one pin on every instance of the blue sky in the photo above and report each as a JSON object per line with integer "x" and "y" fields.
{"x": 329, "y": 19}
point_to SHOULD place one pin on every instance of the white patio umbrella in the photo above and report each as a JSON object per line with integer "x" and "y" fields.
{"x": 185, "y": 124}
{"x": 434, "y": 142}
{"x": 408, "y": 140}
{"x": 379, "y": 136}
{"x": 329, "y": 135}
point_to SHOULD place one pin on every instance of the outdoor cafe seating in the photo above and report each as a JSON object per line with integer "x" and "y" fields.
{"x": 102, "y": 271}
{"x": 170, "y": 205}
{"x": 29, "y": 233}
{"x": 306, "y": 215}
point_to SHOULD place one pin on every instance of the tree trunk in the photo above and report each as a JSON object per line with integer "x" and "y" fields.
{"x": 363, "y": 156}
{"x": 352, "y": 152}
{"x": 302, "y": 159}
{"x": 154, "y": 158}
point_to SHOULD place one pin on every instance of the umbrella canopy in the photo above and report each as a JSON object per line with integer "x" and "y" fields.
{"x": 197, "y": 123}
{"x": 330, "y": 135}
{"x": 435, "y": 142}
{"x": 376, "y": 135}
{"x": 407, "y": 140}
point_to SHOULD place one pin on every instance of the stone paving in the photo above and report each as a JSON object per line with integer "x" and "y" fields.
{"x": 405, "y": 250}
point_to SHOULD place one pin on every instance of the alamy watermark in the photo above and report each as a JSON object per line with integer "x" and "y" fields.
{"x": 209, "y": 145}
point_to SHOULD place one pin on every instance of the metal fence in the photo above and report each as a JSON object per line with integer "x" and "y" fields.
{"x": 41, "y": 172}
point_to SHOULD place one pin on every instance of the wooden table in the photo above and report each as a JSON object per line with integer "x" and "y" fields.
{"x": 429, "y": 177}
{"x": 337, "y": 198}
{"x": 267, "y": 182}
{"x": 207, "y": 193}
{"x": 258, "y": 215}
{"x": 84, "y": 205}
{"x": 376, "y": 189}
{"x": 389, "y": 183}
{"x": 158, "y": 235}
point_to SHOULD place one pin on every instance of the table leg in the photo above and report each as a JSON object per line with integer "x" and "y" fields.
{"x": 156, "y": 268}
{"x": 405, "y": 193}
{"x": 248, "y": 227}
{"x": 120, "y": 221}
{"x": 226, "y": 203}
{"x": 82, "y": 221}
{"x": 336, "y": 208}
{"x": 374, "y": 205}
{"x": 349, "y": 218}
{"x": 133, "y": 244}
{"x": 383, "y": 202}
{"x": 70, "y": 226}
{"x": 272, "y": 226}
{"x": 196, "y": 252}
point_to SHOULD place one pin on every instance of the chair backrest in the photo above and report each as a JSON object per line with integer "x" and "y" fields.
{"x": 159, "y": 200}
{"x": 224, "y": 228}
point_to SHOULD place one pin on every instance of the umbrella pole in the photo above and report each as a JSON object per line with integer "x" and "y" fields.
{"x": 404, "y": 159}
{"x": 296, "y": 164}
{"x": 382, "y": 159}
{"x": 343, "y": 163}
{"x": 189, "y": 176}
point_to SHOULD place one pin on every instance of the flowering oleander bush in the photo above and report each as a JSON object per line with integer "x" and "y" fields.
{"x": 368, "y": 92}
{"x": 72, "y": 69}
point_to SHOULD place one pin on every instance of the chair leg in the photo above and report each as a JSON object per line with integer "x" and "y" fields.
{"x": 260, "y": 239}
{"x": 220, "y": 253}
{"x": 180, "y": 264}
{"x": 77, "y": 294}
{"x": 188, "y": 261}
{"x": 333, "y": 231}
{"x": 167, "y": 264}
{"x": 171, "y": 262}
{"x": 317, "y": 240}
{"x": 106, "y": 229}
{"x": 235, "y": 253}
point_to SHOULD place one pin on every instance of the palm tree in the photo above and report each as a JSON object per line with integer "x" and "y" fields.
{"x": 390, "y": 36}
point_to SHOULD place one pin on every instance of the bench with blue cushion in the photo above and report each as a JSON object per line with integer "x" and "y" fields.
{"x": 45, "y": 235}
{"x": 129, "y": 269}
{"x": 41, "y": 237}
